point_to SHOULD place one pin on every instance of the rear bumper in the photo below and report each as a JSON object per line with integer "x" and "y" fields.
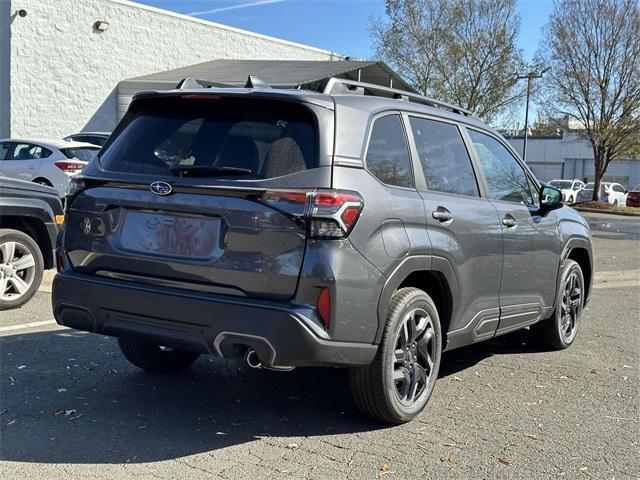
{"x": 281, "y": 334}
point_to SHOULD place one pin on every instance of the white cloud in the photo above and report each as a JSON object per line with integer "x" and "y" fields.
{"x": 236, "y": 7}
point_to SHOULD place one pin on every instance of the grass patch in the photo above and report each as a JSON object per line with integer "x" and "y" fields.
{"x": 594, "y": 204}
{"x": 628, "y": 209}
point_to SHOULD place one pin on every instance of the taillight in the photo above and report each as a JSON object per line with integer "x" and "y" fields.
{"x": 323, "y": 304}
{"x": 329, "y": 214}
{"x": 69, "y": 167}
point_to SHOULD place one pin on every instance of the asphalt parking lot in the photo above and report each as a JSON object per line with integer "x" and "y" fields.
{"x": 71, "y": 406}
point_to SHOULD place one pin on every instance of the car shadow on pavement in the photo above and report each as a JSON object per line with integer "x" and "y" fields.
{"x": 70, "y": 397}
{"x": 519, "y": 342}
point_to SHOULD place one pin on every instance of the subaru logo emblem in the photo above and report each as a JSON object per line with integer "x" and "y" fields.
{"x": 161, "y": 188}
{"x": 86, "y": 226}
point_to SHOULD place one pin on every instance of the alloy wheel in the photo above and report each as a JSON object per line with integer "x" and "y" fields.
{"x": 571, "y": 306}
{"x": 414, "y": 357}
{"x": 17, "y": 270}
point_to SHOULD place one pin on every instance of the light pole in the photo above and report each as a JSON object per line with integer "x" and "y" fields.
{"x": 529, "y": 76}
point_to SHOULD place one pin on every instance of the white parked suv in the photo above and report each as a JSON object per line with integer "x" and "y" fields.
{"x": 48, "y": 162}
{"x": 569, "y": 188}
{"x": 614, "y": 193}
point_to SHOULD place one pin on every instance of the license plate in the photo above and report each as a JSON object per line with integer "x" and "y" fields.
{"x": 170, "y": 235}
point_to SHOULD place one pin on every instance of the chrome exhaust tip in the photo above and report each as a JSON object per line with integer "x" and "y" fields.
{"x": 252, "y": 359}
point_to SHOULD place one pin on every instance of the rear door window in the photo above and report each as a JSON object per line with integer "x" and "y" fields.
{"x": 388, "y": 154}
{"x": 444, "y": 158}
{"x": 214, "y": 137}
{"x": 28, "y": 151}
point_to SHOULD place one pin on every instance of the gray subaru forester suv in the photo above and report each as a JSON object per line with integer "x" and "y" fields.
{"x": 353, "y": 226}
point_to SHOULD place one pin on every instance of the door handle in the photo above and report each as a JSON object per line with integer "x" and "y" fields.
{"x": 509, "y": 222}
{"x": 442, "y": 215}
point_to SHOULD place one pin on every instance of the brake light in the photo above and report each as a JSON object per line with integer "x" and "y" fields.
{"x": 329, "y": 214}
{"x": 323, "y": 304}
{"x": 69, "y": 167}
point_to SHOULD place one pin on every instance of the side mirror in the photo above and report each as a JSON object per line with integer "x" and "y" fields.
{"x": 550, "y": 198}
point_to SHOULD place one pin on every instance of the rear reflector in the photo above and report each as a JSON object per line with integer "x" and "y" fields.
{"x": 71, "y": 167}
{"x": 324, "y": 306}
{"x": 59, "y": 261}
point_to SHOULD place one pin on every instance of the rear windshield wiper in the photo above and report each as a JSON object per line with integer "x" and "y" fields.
{"x": 207, "y": 171}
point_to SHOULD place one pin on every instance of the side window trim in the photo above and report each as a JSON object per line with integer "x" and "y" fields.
{"x": 372, "y": 121}
{"x": 475, "y": 161}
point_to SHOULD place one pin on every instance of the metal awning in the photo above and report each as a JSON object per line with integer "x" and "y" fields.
{"x": 280, "y": 73}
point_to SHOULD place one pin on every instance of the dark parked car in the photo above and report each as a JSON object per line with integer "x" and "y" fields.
{"x": 95, "y": 138}
{"x": 633, "y": 197}
{"x": 30, "y": 215}
{"x": 357, "y": 226}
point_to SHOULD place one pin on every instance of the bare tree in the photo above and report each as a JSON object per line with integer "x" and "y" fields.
{"x": 593, "y": 49}
{"x": 462, "y": 51}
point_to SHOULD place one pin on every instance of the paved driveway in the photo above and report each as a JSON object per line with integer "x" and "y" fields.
{"x": 71, "y": 407}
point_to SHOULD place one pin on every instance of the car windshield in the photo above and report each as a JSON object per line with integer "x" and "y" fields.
{"x": 561, "y": 184}
{"x": 85, "y": 154}
{"x": 213, "y": 136}
{"x": 636, "y": 188}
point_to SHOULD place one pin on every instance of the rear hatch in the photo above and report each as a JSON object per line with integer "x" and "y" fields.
{"x": 182, "y": 195}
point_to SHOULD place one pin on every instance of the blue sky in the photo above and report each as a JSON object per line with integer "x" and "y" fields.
{"x": 337, "y": 25}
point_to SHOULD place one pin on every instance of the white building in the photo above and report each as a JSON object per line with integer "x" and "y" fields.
{"x": 61, "y": 60}
{"x": 571, "y": 156}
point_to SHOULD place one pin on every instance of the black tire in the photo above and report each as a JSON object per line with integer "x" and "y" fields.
{"x": 553, "y": 331}
{"x": 154, "y": 358}
{"x": 43, "y": 181}
{"x": 571, "y": 199}
{"x": 32, "y": 276}
{"x": 375, "y": 391}
{"x": 615, "y": 204}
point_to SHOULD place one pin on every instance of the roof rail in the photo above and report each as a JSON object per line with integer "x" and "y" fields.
{"x": 335, "y": 85}
{"x": 193, "y": 83}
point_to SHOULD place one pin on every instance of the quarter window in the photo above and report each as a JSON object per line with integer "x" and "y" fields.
{"x": 444, "y": 158}
{"x": 388, "y": 154}
{"x": 506, "y": 179}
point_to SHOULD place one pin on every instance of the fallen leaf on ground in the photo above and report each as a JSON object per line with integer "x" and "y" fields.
{"x": 65, "y": 413}
{"x": 453, "y": 458}
{"x": 504, "y": 461}
{"x": 384, "y": 468}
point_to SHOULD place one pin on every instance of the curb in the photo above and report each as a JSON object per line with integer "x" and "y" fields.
{"x": 607, "y": 212}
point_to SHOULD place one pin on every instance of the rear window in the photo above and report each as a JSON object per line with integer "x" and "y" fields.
{"x": 214, "y": 137}
{"x": 83, "y": 153}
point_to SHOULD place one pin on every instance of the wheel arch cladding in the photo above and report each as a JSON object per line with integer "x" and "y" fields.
{"x": 582, "y": 257}
{"x": 434, "y": 276}
{"x": 36, "y": 229}
{"x": 435, "y": 285}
